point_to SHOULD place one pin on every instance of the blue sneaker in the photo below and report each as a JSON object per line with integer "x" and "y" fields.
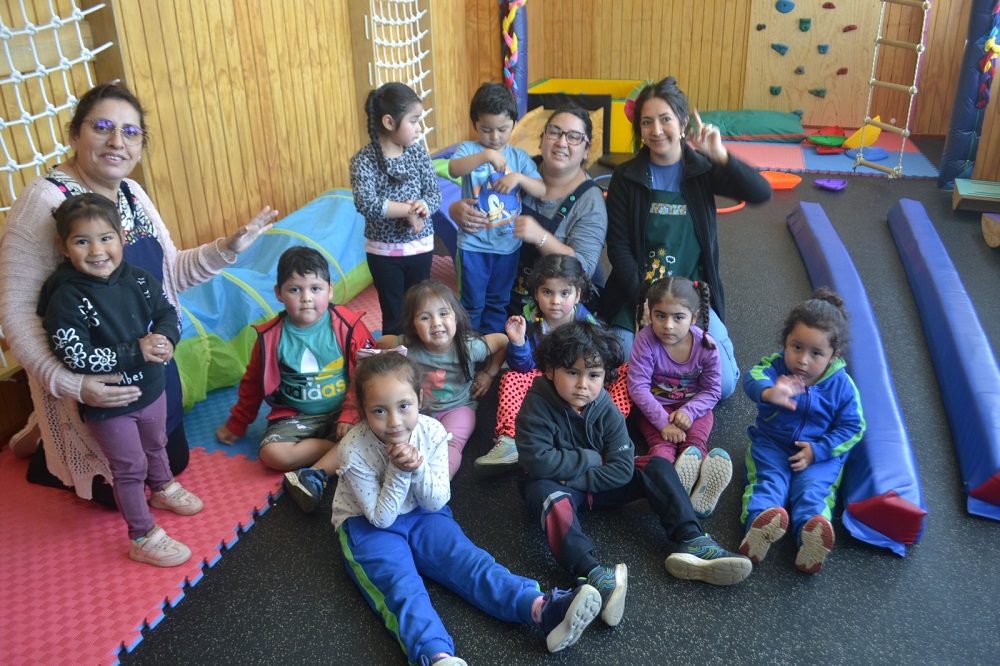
{"x": 306, "y": 486}
{"x": 612, "y": 583}
{"x": 703, "y": 559}
{"x": 566, "y": 614}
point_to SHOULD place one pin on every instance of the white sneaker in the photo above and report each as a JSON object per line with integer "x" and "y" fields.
{"x": 25, "y": 441}
{"x": 688, "y": 465}
{"x": 501, "y": 458}
{"x": 716, "y": 473}
{"x": 174, "y": 498}
{"x": 158, "y": 549}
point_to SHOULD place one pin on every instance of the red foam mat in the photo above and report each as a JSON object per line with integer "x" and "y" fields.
{"x": 69, "y": 594}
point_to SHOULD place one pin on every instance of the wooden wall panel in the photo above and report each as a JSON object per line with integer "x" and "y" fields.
{"x": 253, "y": 102}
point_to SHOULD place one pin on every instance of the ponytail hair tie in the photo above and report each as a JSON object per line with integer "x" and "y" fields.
{"x": 362, "y": 354}
{"x": 696, "y": 285}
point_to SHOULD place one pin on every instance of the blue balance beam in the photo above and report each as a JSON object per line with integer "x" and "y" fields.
{"x": 881, "y": 488}
{"x": 963, "y": 358}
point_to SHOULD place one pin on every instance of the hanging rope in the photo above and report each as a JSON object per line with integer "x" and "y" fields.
{"x": 988, "y": 64}
{"x": 510, "y": 45}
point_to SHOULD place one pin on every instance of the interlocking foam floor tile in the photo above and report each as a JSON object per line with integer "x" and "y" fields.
{"x": 69, "y": 593}
{"x": 803, "y": 157}
{"x": 777, "y": 156}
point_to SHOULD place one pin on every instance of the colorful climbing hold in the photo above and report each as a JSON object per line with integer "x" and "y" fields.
{"x": 775, "y": 90}
{"x": 799, "y": 112}
{"x": 761, "y": 26}
{"x": 780, "y": 48}
{"x": 805, "y": 24}
{"x": 823, "y": 48}
{"x": 818, "y": 92}
{"x": 829, "y": 5}
{"x": 848, "y": 28}
{"x": 841, "y": 71}
{"x": 800, "y": 70}
{"x": 784, "y": 6}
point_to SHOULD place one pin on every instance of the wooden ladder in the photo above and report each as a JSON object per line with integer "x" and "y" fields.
{"x": 911, "y": 90}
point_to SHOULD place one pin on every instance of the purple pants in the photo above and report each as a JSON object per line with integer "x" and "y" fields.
{"x": 134, "y": 445}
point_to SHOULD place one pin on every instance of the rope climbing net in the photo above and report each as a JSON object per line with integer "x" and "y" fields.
{"x": 402, "y": 50}
{"x": 43, "y": 64}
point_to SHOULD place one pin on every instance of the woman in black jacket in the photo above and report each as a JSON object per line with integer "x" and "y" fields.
{"x": 661, "y": 212}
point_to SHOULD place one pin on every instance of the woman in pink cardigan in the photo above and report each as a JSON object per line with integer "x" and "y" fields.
{"x": 108, "y": 134}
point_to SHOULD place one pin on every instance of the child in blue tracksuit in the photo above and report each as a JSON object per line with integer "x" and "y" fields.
{"x": 494, "y": 172}
{"x": 394, "y": 527}
{"x": 808, "y": 418}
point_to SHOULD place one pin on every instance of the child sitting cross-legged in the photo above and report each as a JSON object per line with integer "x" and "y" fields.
{"x": 573, "y": 444}
{"x": 301, "y": 365}
{"x": 395, "y": 528}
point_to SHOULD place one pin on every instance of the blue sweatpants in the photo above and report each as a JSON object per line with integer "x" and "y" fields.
{"x": 770, "y": 481}
{"x": 485, "y": 281}
{"x": 387, "y": 565}
{"x": 556, "y": 506}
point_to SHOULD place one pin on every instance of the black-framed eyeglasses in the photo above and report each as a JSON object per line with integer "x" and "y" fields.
{"x": 573, "y": 137}
{"x": 131, "y": 134}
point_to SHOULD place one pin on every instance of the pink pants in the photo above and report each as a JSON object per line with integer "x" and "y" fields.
{"x": 514, "y": 386}
{"x": 697, "y": 436}
{"x": 460, "y": 422}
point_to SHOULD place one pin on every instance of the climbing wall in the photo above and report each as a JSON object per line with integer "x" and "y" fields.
{"x": 812, "y": 56}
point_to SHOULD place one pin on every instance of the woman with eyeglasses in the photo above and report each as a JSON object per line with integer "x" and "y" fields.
{"x": 107, "y": 133}
{"x": 661, "y": 204}
{"x": 571, "y": 219}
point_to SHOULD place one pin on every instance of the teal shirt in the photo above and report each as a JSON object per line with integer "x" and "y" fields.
{"x": 313, "y": 368}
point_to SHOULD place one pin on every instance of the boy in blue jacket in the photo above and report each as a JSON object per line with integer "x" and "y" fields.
{"x": 573, "y": 444}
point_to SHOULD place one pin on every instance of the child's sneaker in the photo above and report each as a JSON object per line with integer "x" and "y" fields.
{"x": 305, "y": 487}
{"x": 443, "y": 661}
{"x": 174, "y": 498}
{"x": 765, "y": 529}
{"x": 25, "y": 441}
{"x": 817, "y": 542}
{"x": 688, "y": 465}
{"x": 158, "y": 549}
{"x": 566, "y": 613}
{"x": 716, "y": 473}
{"x": 501, "y": 458}
{"x": 703, "y": 559}
{"x": 612, "y": 583}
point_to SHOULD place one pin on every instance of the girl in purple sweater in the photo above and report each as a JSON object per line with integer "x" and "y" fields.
{"x": 675, "y": 380}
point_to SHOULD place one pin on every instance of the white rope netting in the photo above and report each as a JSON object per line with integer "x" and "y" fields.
{"x": 43, "y": 65}
{"x": 401, "y": 50}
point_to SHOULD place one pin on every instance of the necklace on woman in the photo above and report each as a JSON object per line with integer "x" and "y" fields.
{"x": 77, "y": 175}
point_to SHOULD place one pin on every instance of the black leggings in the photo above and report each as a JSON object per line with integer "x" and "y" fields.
{"x": 178, "y": 455}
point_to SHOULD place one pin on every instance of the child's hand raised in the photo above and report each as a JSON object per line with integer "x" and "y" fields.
{"x": 516, "y": 329}
{"x": 681, "y": 420}
{"x": 673, "y": 434}
{"x": 405, "y": 457}
{"x": 225, "y": 435}
{"x": 783, "y": 393}
{"x": 805, "y": 457}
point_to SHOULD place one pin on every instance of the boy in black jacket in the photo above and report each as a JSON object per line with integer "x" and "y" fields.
{"x": 574, "y": 446}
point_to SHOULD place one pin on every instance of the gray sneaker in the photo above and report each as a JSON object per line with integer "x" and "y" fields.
{"x": 501, "y": 459}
